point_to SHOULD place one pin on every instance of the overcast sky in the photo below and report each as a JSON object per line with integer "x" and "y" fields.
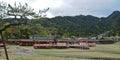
{"x": 100, "y": 8}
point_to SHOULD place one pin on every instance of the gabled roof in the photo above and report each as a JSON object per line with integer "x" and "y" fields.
{"x": 65, "y": 39}
{"x": 43, "y": 38}
{"x": 13, "y": 39}
{"x": 26, "y": 40}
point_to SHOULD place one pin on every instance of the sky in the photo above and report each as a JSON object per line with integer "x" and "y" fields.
{"x": 99, "y": 8}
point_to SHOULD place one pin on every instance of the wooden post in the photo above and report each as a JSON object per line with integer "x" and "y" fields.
{"x": 5, "y": 49}
{"x": 4, "y": 45}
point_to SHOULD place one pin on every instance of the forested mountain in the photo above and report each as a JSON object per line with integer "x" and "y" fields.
{"x": 76, "y": 25}
{"x": 113, "y": 22}
{"x": 82, "y": 25}
{"x": 67, "y": 26}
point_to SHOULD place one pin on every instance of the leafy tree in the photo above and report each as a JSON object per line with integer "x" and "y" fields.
{"x": 22, "y": 11}
{"x": 2, "y": 30}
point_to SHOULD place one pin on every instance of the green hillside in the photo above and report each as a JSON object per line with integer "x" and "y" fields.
{"x": 84, "y": 25}
{"x": 67, "y": 26}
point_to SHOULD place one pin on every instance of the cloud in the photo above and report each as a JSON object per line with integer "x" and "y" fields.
{"x": 17, "y": 1}
{"x": 73, "y": 7}
{"x": 86, "y": 7}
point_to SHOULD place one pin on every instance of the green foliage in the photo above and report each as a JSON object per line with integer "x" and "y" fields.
{"x": 84, "y": 25}
{"x": 20, "y": 10}
{"x": 114, "y": 23}
{"x": 38, "y": 29}
{"x": 67, "y": 26}
{"x": 73, "y": 26}
{"x": 24, "y": 24}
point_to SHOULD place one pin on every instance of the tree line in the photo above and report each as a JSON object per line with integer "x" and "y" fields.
{"x": 84, "y": 26}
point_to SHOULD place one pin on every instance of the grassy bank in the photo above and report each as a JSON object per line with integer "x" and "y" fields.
{"x": 103, "y": 52}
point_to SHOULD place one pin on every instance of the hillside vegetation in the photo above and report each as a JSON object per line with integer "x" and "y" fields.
{"x": 68, "y": 26}
{"x": 82, "y": 25}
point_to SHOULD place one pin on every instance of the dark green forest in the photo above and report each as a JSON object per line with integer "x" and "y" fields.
{"x": 84, "y": 26}
{"x": 68, "y": 26}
